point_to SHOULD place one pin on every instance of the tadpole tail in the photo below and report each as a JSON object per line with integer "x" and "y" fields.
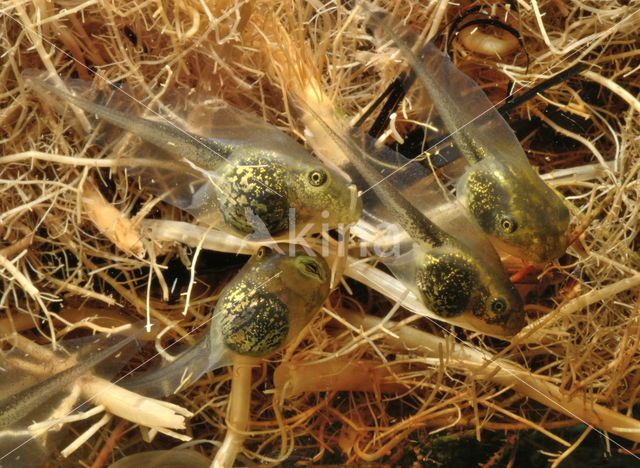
{"x": 16, "y": 406}
{"x": 162, "y": 134}
{"x": 187, "y": 368}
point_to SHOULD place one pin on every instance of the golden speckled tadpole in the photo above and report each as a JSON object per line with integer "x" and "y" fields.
{"x": 271, "y": 299}
{"x": 451, "y": 274}
{"x": 499, "y": 188}
{"x": 257, "y": 179}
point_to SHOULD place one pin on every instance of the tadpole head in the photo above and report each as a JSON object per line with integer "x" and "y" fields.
{"x": 501, "y": 304}
{"x": 525, "y": 216}
{"x": 271, "y": 299}
{"x": 324, "y": 197}
{"x": 452, "y": 282}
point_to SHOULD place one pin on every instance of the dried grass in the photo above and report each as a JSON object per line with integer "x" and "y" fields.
{"x": 61, "y": 268}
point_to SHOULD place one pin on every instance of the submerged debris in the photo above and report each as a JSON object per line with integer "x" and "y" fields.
{"x": 66, "y": 266}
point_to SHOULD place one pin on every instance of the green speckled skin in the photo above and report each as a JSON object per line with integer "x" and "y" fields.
{"x": 527, "y": 218}
{"x": 246, "y": 171}
{"x": 450, "y": 275}
{"x": 499, "y": 181}
{"x": 253, "y": 324}
{"x": 259, "y": 184}
{"x": 446, "y": 282}
{"x": 264, "y": 184}
{"x": 451, "y": 280}
{"x": 269, "y": 301}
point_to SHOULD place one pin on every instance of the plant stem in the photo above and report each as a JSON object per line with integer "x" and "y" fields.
{"x": 237, "y": 413}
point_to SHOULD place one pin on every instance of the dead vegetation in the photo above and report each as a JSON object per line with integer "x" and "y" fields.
{"x": 75, "y": 252}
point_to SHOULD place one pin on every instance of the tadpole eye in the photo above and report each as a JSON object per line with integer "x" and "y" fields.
{"x": 262, "y": 251}
{"x": 508, "y": 224}
{"x": 498, "y": 305}
{"x": 317, "y": 177}
{"x": 310, "y": 267}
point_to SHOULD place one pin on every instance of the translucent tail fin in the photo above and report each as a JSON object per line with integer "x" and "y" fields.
{"x": 16, "y": 406}
{"x": 182, "y": 372}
